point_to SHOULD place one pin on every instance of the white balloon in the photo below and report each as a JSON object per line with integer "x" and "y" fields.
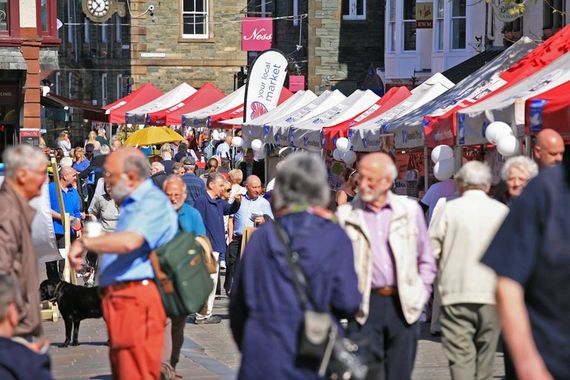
{"x": 508, "y": 145}
{"x": 216, "y": 135}
{"x": 256, "y": 144}
{"x": 443, "y": 169}
{"x": 237, "y": 142}
{"x": 497, "y": 129}
{"x": 337, "y": 155}
{"x": 349, "y": 157}
{"x": 342, "y": 144}
{"x": 441, "y": 152}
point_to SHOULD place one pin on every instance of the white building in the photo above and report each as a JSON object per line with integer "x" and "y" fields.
{"x": 457, "y": 32}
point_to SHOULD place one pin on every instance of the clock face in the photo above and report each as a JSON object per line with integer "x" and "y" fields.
{"x": 98, "y": 8}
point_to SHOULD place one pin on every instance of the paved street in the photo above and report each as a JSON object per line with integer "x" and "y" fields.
{"x": 208, "y": 353}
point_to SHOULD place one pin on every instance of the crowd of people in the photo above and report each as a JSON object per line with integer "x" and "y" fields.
{"x": 490, "y": 260}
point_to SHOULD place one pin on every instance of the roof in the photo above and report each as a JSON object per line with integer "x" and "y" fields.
{"x": 461, "y": 71}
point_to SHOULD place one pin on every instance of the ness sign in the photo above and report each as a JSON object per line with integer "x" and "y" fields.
{"x": 256, "y": 33}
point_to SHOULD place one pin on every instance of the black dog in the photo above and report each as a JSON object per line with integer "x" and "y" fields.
{"x": 74, "y": 302}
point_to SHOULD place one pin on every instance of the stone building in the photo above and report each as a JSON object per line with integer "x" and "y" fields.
{"x": 187, "y": 41}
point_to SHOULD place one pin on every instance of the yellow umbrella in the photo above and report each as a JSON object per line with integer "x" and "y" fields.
{"x": 153, "y": 135}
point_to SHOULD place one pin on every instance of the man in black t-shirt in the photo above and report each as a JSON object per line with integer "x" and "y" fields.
{"x": 531, "y": 256}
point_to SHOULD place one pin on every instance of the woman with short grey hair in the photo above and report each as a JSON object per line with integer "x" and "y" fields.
{"x": 263, "y": 277}
{"x": 516, "y": 173}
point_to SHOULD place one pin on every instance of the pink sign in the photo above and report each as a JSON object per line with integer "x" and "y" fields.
{"x": 256, "y": 33}
{"x": 296, "y": 83}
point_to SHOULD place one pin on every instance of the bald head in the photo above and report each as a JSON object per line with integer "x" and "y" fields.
{"x": 67, "y": 176}
{"x": 175, "y": 189}
{"x": 253, "y": 186}
{"x": 377, "y": 173}
{"x": 549, "y": 148}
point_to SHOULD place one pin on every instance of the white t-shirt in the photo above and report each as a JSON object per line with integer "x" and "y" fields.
{"x": 223, "y": 150}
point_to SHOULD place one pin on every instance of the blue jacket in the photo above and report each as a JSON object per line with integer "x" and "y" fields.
{"x": 190, "y": 220}
{"x": 265, "y": 314}
{"x": 195, "y": 187}
{"x": 213, "y": 211}
{"x": 17, "y": 362}
{"x": 71, "y": 203}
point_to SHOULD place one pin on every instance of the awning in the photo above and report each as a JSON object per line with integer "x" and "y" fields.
{"x": 551, "y": 109}
{"x": 206, "y": 95}
{"x": 143, "y": 95}
{"x": 461, "y": 71}
{"x": 89, "y": 112}
{"x": 200, "y": 117}
{"x": 171, "y": 98}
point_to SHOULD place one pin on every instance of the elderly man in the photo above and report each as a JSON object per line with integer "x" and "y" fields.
{"x": 189, "y": 220}
{"x": 213, "y": 208}
{"x": 531, "y": 258}
{"x": 132, "y": 307}
{"x": 72, "y": 206}
{"x": 157, "y": 174}
{"x": 548, "y": 148}
{"x": 194, "y": 185}
{"x": 395, "y": 267}
{"x": 460, "y": 233}
{"x": 25, "y": 173}
{"x": 251, "y": 167}
{"x": 253, "y": 211}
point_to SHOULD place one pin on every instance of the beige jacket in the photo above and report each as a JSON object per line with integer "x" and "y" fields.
{"x": 460, "y": 234}
{"x": 403, "y": 239}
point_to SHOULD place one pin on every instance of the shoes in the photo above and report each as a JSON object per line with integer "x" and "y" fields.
{"x": 223, "y": 264}
{"x": 208, "y": 321}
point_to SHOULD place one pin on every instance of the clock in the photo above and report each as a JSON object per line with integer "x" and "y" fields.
{"x": 98, "y": 8}
{"x": 101, "y": 10}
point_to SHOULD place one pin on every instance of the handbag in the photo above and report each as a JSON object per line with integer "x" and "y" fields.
{"x": 182, "y": 269}
{"x": 319, "y": 338}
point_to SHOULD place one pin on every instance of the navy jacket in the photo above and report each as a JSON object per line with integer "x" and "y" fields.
{"x": 265, "y": 313}
{"x": 212, "y": 212}
{"x": 17, "y": 362}
{"x": 195, "y": 187}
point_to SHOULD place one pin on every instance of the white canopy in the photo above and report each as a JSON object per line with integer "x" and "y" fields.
{"x": 308, "y": 134}
{"x": 277, "y": 131}
{"x": 199, "y": 118}
{"x": 171, "y": 98}
{"x": 254, "y": 128}
{"x": 509, "y": 105}
{"x": 364, "y": 136}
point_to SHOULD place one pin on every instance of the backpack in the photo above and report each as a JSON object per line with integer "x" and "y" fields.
{"x": 182, "y": 269}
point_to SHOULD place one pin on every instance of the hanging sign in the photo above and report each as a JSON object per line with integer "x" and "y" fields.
{"x": 424, "y": 15}
{"x": 256, "y": 33}
{"x": 508, "y": 10}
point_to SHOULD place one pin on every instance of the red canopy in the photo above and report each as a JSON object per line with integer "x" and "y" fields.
{"x": 393, "y": 97}
{"x": 542, "y": 56}
{"x": 206, "y": 95}
{"x": 116, "y": 111}
{"x": 238, "y": 111}
{"x": 554, "y": 107}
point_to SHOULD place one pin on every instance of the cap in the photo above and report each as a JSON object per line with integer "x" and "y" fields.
{"x": 189, "y": 162}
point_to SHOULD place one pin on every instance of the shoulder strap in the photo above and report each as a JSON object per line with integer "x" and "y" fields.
{"x": 297, "y": 275}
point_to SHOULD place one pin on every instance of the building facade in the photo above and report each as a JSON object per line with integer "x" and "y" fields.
{"x": 28, "y": 53}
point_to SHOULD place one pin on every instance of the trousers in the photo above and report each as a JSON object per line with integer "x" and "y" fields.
{"x": 232, "y": 260}
{"x": 206, "y": 311}
{"x": 135, "y": 321}
{"x": 469, "y": 337}
{"x": 173, "y": 340}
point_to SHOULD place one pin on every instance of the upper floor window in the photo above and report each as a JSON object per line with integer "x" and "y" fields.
{"x": 409, "y": 21}
{"x": 46, "y": 18}
{"x": 458, "y": 24}
{"x": 553, "y": 14}
{"x": 4, "y": 12}
{"x": 195, "y": 19}
{"x": 439, "y": 24}
{"x": 104, "y": 93}
{"x": 58, "y": 83}
{"x": 354, "y": 9}
{"x": 392, "y": 25}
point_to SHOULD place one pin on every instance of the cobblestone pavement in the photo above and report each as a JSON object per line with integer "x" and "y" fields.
{"x": 208, "y": 352}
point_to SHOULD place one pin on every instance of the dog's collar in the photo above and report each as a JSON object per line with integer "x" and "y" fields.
{"x": 59, "y": 284}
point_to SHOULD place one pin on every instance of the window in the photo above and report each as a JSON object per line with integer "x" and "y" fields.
{"x": 439, "y": 24}
{"x": 4, "y": 12}
{"x": 104, "y": 27}
{"x": 119, "y": 86}
{"x": 69, "y": 85}
{"x": 553, "y": 14}
{"x": 58, "y": 83}
{"x": 458, "y": 24}
{"x": 195, "y": 18}
{"x": 392, "y": 25}
{"x": 70, "y": 23}
{"x": 86, "y": 30}
{"x": 103, "y": 89}
{"x": 295, "y": 12}
{"x": 354, "y": 9}
{"x": 409, "y": 22}
{"x": 118, "y": 28}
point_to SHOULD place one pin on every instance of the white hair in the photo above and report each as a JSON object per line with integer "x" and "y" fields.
{"x": 157, "y": 165}
{"x": 301, "y": 180}
{"x": 105, "y": 149}
{"x": 474, "y": 174}
{"x": 22, "y": 156}
{"x": 521, "y": 162}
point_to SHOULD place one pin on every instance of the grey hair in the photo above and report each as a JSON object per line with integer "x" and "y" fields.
{"x": 301, "y": 179}
{"x": 392, "y": 170}
{"x": 158, "y": 165}
{"x": 22, "y": 156}
{"x": 105, "y": 149}
{"x": 174, "y": 178}
{"x": 474, "y": 174}
{"x": 137, "y": 164}
{"x": 7, "y": 294}
{"x": 522, "y": 162}
{"x": 213, "y": 177}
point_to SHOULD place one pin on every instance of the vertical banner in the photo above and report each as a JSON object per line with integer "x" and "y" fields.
{"x": 264, "y": 84}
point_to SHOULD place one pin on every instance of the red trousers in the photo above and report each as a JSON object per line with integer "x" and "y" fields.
{"x": 135, "y": 322}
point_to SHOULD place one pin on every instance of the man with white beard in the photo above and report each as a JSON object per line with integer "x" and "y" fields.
{"x": 132, "y": 307}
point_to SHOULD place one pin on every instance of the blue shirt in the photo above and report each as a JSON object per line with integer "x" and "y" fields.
{"x": 242, "y": 218}
{"x": 194, "y": 187}
{"x": 212, "y": 212}
{"x": 71, "y": 203}
{"x": 190, "y": 220}
{"x": 81, "y": 165}
{"x": 147, "y": 211}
